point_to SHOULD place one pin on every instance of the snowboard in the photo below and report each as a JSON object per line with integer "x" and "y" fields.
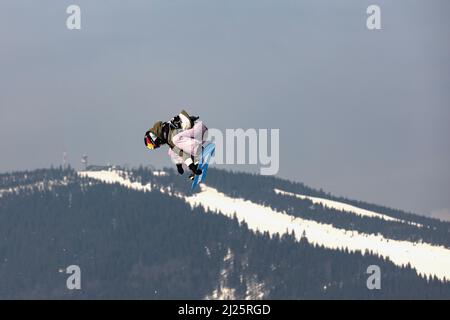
{"x": 207, "y": 154}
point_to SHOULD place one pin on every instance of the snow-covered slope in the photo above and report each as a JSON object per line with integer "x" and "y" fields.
{"x": 114, "y": 176}
{"x": 343, "y": 207}
{"x": 39, "y": 186}
{"x": 427, "y": 259}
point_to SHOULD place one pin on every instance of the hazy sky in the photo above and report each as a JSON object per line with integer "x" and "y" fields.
{"x": 364, "y": 114}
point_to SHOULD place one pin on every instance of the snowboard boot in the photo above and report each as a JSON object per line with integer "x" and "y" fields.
{"x": 195, "y": 171}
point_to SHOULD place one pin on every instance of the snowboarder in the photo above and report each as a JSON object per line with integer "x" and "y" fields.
{"x": 185, "y": 136}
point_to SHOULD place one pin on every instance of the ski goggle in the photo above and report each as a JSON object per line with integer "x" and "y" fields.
{"x": 149, "y": 140}
{"x": 149, "y": 144}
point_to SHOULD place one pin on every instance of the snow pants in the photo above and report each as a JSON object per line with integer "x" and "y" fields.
{"x": 188, "y": 144}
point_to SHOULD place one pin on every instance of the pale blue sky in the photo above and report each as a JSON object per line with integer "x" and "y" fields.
{"x": 361, "y": 113}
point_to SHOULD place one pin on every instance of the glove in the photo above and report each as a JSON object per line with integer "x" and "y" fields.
{"x": 175, "y": 122}
{"x": 180, "y": 168}
{"x": 194, "y": 169}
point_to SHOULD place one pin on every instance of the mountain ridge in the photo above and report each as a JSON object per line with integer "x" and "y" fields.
{"x": 253, "y": 207}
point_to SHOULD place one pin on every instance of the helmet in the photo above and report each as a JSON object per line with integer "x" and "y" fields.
{"x": 151, "y": 140}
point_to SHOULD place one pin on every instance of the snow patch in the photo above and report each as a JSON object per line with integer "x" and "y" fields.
{"x": 115, "y": 176}
{"x": 39, "y": 186}
{"x": 254, "y": 290}
{"x": 160, "y": 173}
{"x": 224, "y": 292}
